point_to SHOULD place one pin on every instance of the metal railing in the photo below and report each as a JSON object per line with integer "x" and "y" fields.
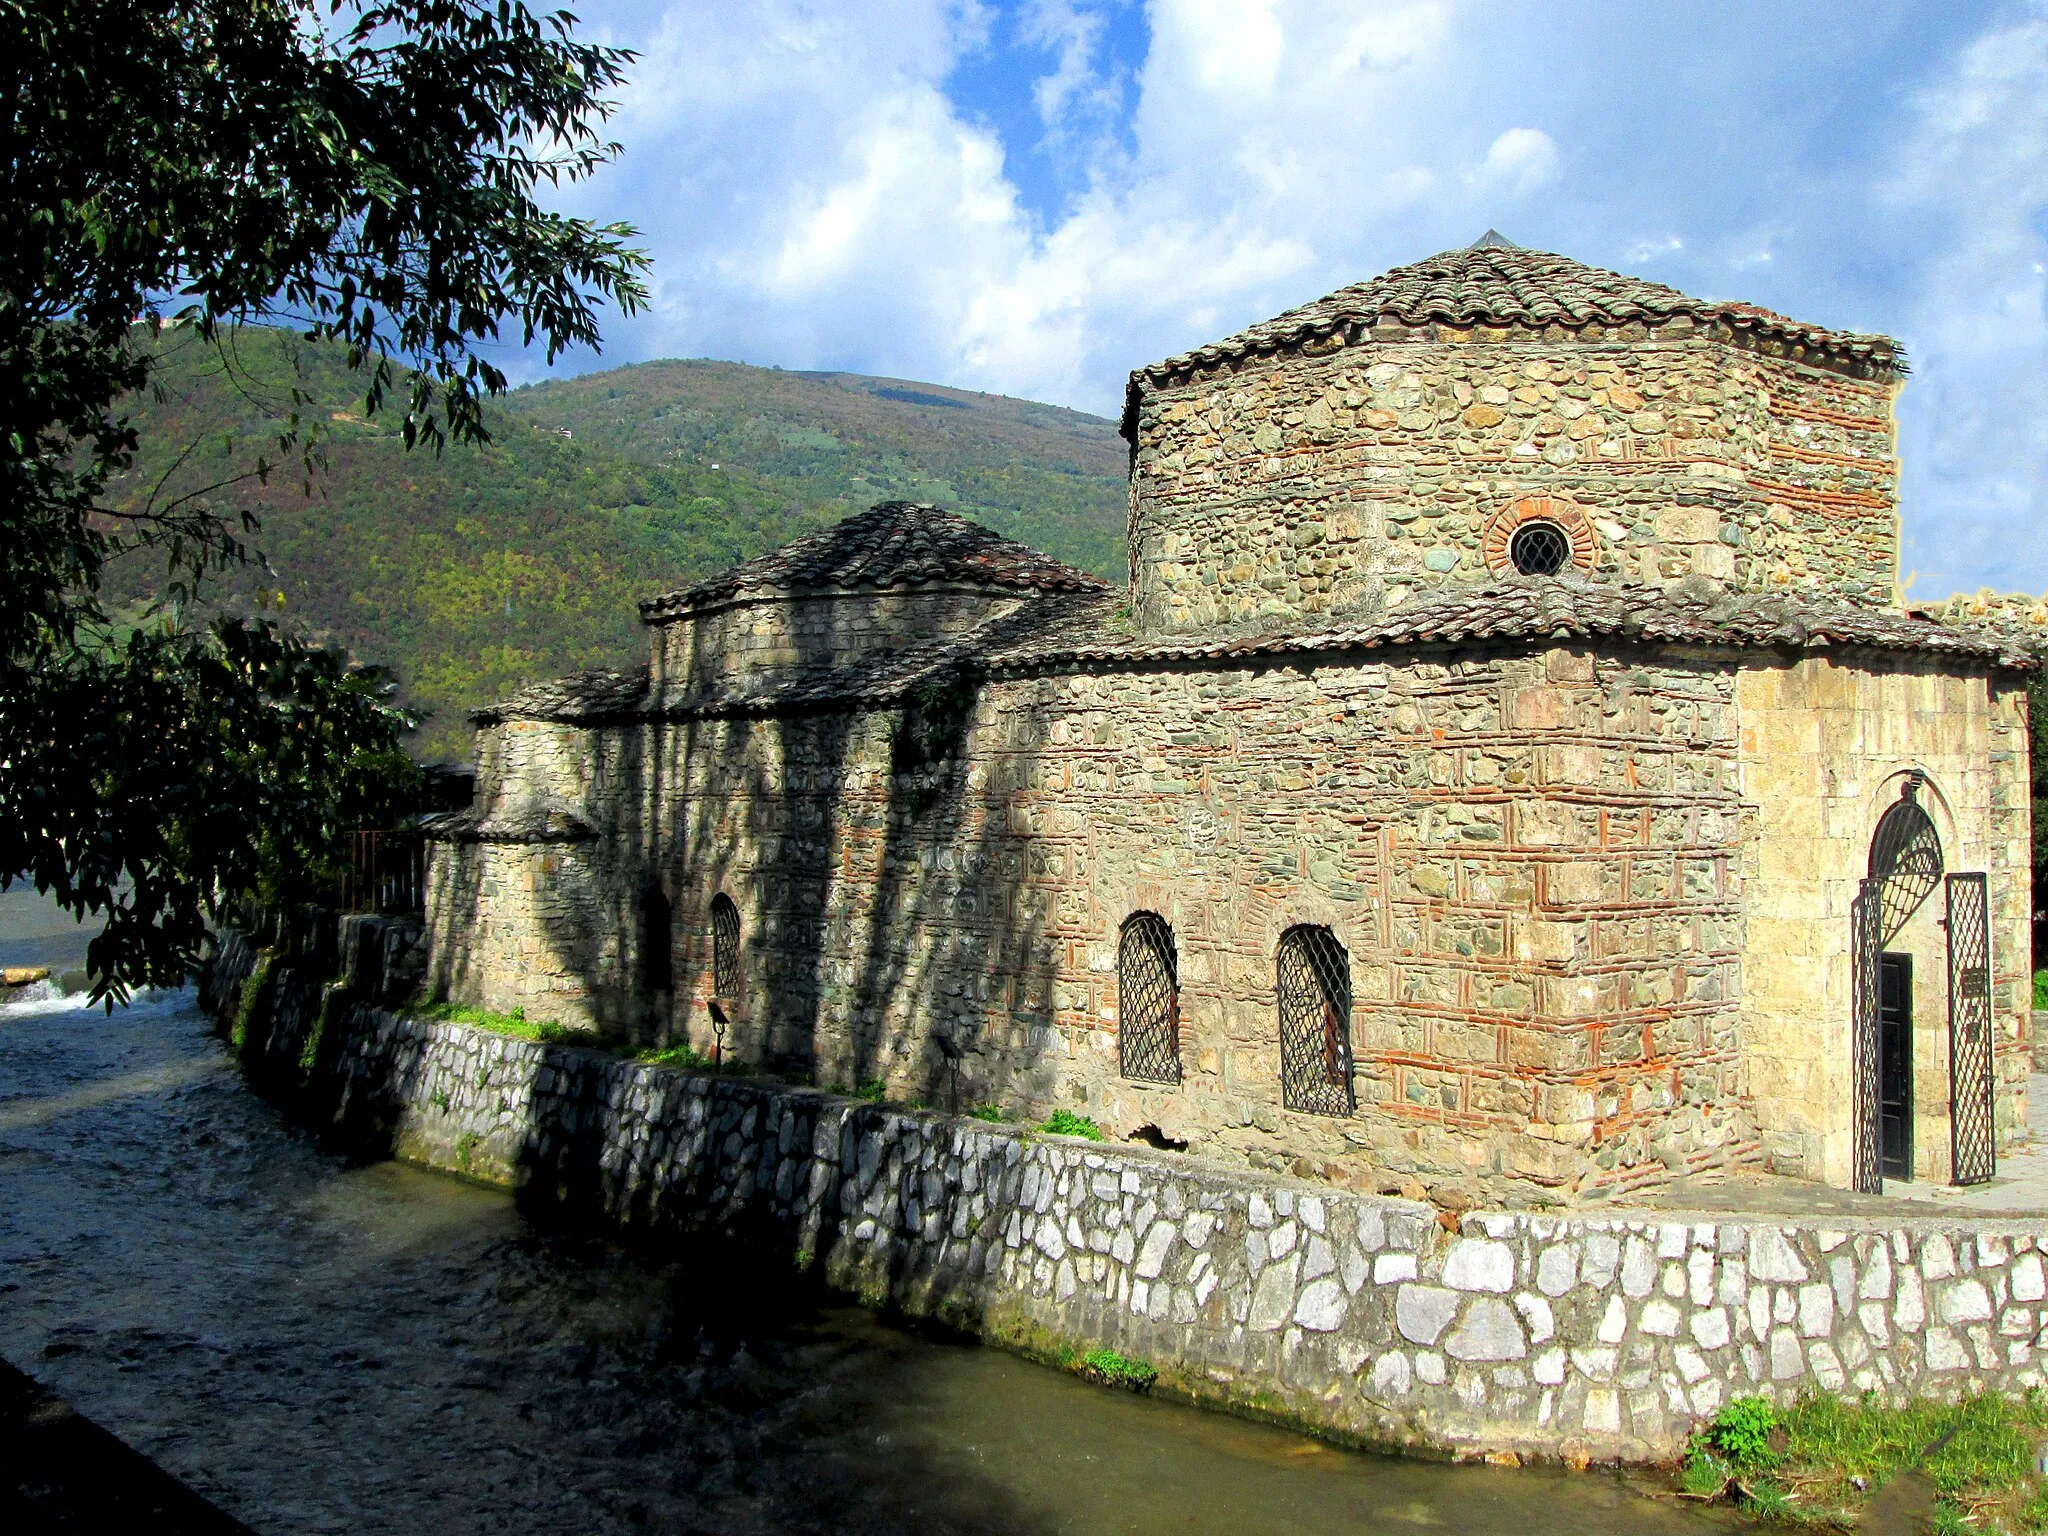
{"x": 387, "y": 873}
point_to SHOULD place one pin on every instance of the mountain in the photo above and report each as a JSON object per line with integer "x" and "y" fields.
{"x": 479, "y": 569}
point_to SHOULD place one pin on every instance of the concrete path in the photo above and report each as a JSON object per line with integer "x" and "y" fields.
{"x": 2020, "y": 1187}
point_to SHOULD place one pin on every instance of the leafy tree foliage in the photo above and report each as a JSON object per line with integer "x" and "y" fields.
{"x": 222, "y": 764}
{"x": 367, "y": 172}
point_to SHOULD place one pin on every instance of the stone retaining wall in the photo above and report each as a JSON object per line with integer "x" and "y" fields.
{"x": 1355, "y": 1316}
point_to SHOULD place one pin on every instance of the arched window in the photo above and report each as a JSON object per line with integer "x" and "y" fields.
{"x": 1905, "y": 853}
{"x": 1540, "y": 549}
{"x": 657, "y": 940}
{"x": 725, "y": 947}
{"x": 1314, "y": 984}
{"x": 1148, "y": 1000}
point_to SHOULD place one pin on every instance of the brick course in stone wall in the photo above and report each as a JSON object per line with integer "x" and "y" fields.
{"x": 1352, "y": 1315}
{"x": 1291, "y": 484}
{"x": 1537, "y": 862}
{"x": 749, "y": 637}
{"x": 1529, "y": 858}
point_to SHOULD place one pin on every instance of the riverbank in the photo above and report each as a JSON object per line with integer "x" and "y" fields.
{"x": 318, "y": 1343}
{"x": 60, "y": 1472}
{"x": 1577, "y": 1338}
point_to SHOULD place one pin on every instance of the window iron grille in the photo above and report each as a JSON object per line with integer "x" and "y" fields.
{"x": 725, "y": 947}
{"x": 1148, "y": 1000}
{"x": 1972, "y": 1082}
{"x": 1540, "y": 549}
{"x": 1314, "y": 985}
{"x": 1905, "y": 853}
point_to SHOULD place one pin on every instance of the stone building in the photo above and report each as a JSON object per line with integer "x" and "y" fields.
{"x": 1509, "y": 769}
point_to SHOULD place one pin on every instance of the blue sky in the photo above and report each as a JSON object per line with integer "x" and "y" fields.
{"x": 1035, "y": 197}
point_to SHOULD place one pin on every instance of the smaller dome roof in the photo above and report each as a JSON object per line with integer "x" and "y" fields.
{"x": 893, "y": 544}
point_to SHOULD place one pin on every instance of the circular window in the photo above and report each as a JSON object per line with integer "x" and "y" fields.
{"x": 1540, "y": 549}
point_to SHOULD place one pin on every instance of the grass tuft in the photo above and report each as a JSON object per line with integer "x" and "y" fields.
{"x": 1812, "y": 1463}
{"x": 1704, "y": 1475}
{"x": 684, "y": 1057}
{"x": 1064, "y": 1122}
{"x": 1115, "y": 1370}
{"x": 515, "y": 1023}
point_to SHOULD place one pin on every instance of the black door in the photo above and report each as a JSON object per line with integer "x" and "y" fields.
{"x": 1895, "y": 1065}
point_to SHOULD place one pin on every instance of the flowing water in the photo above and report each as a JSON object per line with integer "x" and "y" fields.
{"x": 321, "y": 1347}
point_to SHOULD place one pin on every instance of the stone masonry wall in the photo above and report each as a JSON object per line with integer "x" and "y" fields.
{"x": 1352, "y": 1315}
{"x": 1302, "y": 484}
{"x": 1826, "y": 748}
{"x": 750, "y": 636}
{"x": 1531, "y": 859}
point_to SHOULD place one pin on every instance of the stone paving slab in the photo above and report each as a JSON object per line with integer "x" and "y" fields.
{"x": 2019, "y": 1189}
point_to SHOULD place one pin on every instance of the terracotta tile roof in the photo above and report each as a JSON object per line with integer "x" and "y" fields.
{"x": 1538, "y": 608}
{"x": 1502, "y": 284}
{"x": 893, "y": 544}
{"x": 596, "y": 695}
{"x": 876, "y": 680}
{"x": 1083, "y": 631}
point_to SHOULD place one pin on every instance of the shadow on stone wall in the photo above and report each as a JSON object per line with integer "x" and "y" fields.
{"x": 372, "y": 1085}
{"x": 886, "y": 916}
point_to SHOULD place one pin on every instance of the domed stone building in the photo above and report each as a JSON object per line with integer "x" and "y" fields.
{"x": 1509, "y": 769}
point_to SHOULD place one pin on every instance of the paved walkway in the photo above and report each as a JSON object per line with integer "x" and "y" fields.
{"x": 2020, "y": 1187}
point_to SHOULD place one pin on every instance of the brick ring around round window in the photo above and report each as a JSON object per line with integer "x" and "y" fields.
{"x": 1496, "y": 544}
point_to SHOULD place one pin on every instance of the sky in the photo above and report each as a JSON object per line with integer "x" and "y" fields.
{"x": 1035, "y": 197}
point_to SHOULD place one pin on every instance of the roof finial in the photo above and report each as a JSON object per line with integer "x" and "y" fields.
{"x": 1493, "y": 240}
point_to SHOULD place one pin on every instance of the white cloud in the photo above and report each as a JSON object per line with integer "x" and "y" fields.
{"x": 814, "y": 198}
{"x": 1520, "y": 161}
{"x": 816, "y": 194}
{"x": 1078, "y": 97}
{"x": 1975, "y": 169}
{"x": 1230, "y": 48}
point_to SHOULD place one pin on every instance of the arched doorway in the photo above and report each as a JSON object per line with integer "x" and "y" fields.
{"x": 1905, "y": 868}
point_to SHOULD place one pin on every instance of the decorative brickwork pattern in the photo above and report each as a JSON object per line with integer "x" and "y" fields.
{"x": 1495, "y": 544}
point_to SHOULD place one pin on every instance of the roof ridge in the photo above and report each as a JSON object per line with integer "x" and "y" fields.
{"x": 1494, "y": 282}
{"x": 892, "y": 544}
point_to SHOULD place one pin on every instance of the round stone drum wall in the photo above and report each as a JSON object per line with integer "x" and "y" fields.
{"x": 1298, "y": 485}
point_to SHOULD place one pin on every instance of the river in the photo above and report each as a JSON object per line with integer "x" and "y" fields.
{"x": 323, "y": 1347}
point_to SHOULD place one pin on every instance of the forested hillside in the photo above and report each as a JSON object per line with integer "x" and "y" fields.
{"x": 473, "y": 571}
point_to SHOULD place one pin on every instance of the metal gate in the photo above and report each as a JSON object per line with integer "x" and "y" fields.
{"x": 1905, "y": 867}
{"x": 1314, "y": 975}
{"x": 1148, "y": 1000}
{"x": 1866, "y": 945}
{"x": 1971, "y": 1088}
